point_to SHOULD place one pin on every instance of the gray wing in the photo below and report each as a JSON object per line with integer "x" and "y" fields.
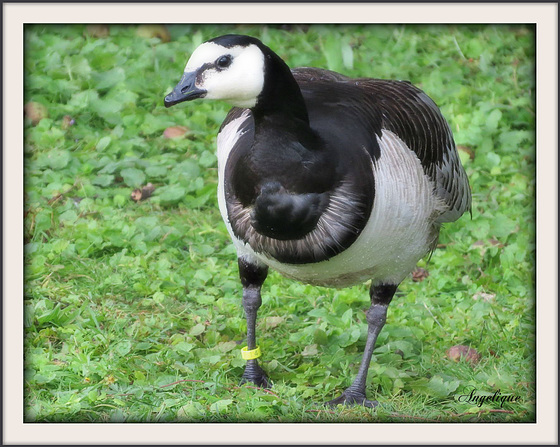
{"x": 449, "y": 176}
{"x": 407, "y": 111}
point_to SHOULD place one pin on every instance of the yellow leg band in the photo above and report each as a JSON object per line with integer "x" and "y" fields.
{"x": 252, "y": 354}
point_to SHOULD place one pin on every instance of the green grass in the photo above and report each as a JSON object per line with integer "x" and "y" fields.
{"x": 133, "y": 310}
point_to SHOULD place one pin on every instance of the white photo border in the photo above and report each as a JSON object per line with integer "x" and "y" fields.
{"x": 544, "y": 15}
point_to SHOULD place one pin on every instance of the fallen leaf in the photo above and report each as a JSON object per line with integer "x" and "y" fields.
{"x": 419, "y": 274}
{"x": 67, "y": 121}
{"x": 35, "y": 111}
{"x": 457, "y": 352}
{"x": 495, "y": 242}
{"x": 149, "y": 31}
{"x": 175, "y": 132}
{"x": 467, "y": 150}
{"x": 143, "y": 193}
{"x": 98, "y": 31}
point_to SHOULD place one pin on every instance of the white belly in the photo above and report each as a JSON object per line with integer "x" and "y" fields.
{"x": 399, "y": 232}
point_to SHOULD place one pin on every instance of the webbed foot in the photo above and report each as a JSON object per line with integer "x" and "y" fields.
{"x": 350, "y": 398}
{"x": 255, "y": 374}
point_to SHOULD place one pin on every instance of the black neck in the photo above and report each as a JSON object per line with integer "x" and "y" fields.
{"x": 281, "y": 94}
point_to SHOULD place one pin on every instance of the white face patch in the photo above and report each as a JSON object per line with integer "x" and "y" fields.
{"x": 240, "y": 83}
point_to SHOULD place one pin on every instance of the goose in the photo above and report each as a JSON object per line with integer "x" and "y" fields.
{"x": 329, "y": 180}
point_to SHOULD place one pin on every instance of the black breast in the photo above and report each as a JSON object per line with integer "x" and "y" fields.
{"x": 295, "y": 196}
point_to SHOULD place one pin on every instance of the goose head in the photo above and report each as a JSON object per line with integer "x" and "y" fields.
{"x": 244, "y": 72}
{"x": 230, "y": 68}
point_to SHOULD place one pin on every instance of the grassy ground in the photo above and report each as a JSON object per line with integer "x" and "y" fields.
{"x": 133, "y": 309}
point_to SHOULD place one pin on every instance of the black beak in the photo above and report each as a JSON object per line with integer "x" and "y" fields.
{"x": 185, "y": 90}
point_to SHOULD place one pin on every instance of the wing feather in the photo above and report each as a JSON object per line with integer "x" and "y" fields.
{"x": 402, "y": 108}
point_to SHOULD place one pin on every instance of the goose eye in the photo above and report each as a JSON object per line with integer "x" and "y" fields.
{"x": 224, "y": 61}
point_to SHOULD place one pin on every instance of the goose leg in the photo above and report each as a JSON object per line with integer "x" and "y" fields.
{"x": 355, "y": 394}
{"x": 252, "y": 277}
